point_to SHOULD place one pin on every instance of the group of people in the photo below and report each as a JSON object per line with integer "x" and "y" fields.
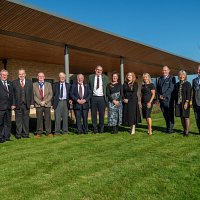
{"x": 124, "y": 105}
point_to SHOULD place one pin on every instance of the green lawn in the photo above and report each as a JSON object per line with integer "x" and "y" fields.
{"x": 103, "y": 166}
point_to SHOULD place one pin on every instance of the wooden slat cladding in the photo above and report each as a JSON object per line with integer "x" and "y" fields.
{"x": 40, "y": 26}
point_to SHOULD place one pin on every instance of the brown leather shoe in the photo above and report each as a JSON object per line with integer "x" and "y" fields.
{"x": 37, "y": 135}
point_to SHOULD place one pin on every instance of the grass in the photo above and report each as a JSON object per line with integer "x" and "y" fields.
{"x": 103, "y": 166}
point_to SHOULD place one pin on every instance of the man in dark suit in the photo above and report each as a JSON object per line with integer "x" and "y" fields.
{"x": 42, "y": 92}
{"x": 165, "y": 90}
{"x": 80, "y": 95}
{"x": 6, "y": 102}
{"x": 196, "y": 97}
{"x": 98, "y": 83}
{"x": 23, "y": 101}
{"x": 60, "y": 102}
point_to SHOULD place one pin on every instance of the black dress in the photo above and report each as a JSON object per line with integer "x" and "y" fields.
{"x": 146, "y": 96}
{"x": 131, "y": 112}
{"x": 186, "y": 95}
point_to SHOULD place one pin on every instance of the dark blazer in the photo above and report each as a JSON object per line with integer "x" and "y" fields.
{"x": 105, "y": 81}
{"x": 186, "y": 91}
{"x": 165, "y": 87}
{"x": 75, "y": 96}
{"x": 186, "y": 95}
{"x": 6, "y": 101}
{"x": 196, "y": 92}
{"x": 28, "y": 92}
{"x": 56, "y": 93}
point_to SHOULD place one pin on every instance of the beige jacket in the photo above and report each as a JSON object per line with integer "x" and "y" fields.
{"x": 48, "y": 94}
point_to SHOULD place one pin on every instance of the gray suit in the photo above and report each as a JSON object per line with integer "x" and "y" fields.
{"x": 196, "y": 100}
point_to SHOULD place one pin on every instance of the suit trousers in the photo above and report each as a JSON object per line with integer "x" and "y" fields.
{"x": 98, "y": 104}
{"x": 197, "y": 115}
{"x": 168, "y": 113}
{"x": 43, "y": 115}
{"x": 61, "y": 113}
{"x": 22, "y": 121}
{"x": 81, "y": 113}
{"x": 5, "y": 124}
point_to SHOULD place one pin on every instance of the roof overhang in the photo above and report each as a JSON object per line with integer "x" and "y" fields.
{"x": 35, "y": 35}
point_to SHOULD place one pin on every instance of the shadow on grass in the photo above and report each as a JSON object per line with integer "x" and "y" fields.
{"x": 72, "y": 127}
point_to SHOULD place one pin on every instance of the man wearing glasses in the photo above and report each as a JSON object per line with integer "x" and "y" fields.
{"x": 98, "y": 83}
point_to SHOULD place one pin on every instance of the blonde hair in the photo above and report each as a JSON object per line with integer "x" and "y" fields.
{"x": 149, "y": 77}
{"x": 133, "y": 76}
{"x": 182, "y": 72}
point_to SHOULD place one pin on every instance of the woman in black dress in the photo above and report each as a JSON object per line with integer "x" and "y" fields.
{"x": 147, "y": 96}
{"x": 131, "y": 112}
{"x": 114, "y": 92}
{"x": 182, "y": 101}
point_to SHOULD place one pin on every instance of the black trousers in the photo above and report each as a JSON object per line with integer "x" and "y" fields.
{"x": 197, "y": 115}
{"x": 98, "y": 104}
{"x": 5, "y": 124}
{"x": 22, "y": 121}
{"x": 167, "y": 109}
{"x": 43, "y": 115}
{"x": 81, "y": 113}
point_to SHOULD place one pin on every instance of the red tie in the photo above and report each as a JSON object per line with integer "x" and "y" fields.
{"x": 41, "y": 94}
{"x": 22, "y": 83}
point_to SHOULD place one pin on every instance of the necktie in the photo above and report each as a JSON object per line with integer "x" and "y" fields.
{"x": 4, "y": 84}
{"x": 61, "y": 91}
{"x": 97, "y": 82}
{"x": 80, "y": 93}
{"x": 22, "y": 83}
{"x": 41, "y": 93}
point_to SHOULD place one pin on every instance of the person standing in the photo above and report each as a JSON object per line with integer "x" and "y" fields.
{"x": 23, "y": 101}
{"x": 182, "y": 101}
{"x": 6, "y": 105}
{"x": 165, "y": 90}
{"x": 196, "y": 97}
{"x": 131, "y": 112}
{"x": 80, "y": 95}
{"x": 61, "y": 91}
{"x": 98, "y": 83}
{"x": 42, "y": 91}
{"x": 114, "y": 93}
{"x": 147, "y": 97}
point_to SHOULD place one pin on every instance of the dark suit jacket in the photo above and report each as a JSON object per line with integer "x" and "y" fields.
{"x": 186, "y": 91}
{"x": 28, "y": 92}
{"x": 196, "y": 92}
{"x": 165, "y": 87}
{"x": 5, "y": 101}
{"x": 56, "y": 93}
{"x": 105, "y": 81}
{"x": 75, "y": 96}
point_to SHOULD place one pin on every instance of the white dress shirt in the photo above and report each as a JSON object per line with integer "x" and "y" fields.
{"x": 99, "y": 91}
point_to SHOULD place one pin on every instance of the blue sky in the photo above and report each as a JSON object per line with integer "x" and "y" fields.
{"x": 169, "y": 25}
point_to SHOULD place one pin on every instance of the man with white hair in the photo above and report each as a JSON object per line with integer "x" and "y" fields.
{"x": 81, "y": 94}
{"x": 60, "y": 104}
{"x": 6, "y": 99}
{"x": 42, "y": 92}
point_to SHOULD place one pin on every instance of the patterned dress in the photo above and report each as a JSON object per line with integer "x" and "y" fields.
{"x": 114, "y": 92}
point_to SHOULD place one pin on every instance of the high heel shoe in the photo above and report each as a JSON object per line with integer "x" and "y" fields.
{"x": 150, "y": 132}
